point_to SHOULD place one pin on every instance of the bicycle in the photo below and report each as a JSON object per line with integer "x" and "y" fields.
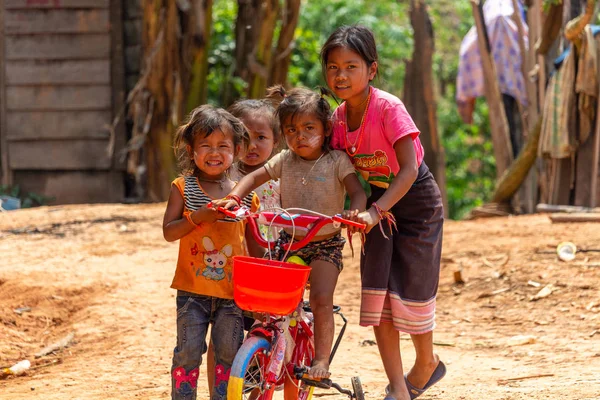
{"x": 275, "y": 289}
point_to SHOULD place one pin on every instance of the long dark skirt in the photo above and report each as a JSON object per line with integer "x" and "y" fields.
{"x": 400, "y": 275}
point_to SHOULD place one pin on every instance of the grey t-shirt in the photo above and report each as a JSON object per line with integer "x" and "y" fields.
{"x": 324, "y": 191}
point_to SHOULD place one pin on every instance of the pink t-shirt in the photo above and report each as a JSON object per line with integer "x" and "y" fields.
{"x": 386, "y": 121}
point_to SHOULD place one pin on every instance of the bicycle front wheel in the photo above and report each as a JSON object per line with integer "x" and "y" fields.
{"x": 248, "y": 372}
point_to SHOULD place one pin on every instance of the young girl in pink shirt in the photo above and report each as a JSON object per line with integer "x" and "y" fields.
{"x": 399, "y": 276}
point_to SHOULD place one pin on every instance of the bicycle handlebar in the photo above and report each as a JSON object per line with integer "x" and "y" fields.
{"x": 311, "y": 224}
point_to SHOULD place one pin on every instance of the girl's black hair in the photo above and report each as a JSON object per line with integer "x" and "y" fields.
{"x": 203, "y": 121}
{"x": 357, "y": 38}
{"x": 253, "y": 107}
{"x": 303, "y": 101}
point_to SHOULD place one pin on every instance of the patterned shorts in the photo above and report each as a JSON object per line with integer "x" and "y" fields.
{"x": 329, "y": 250}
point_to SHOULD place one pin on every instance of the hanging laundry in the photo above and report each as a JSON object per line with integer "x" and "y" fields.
{"x": 503, "y": 35}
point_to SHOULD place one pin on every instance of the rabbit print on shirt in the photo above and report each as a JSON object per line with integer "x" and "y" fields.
{"x": 215, "y": 260}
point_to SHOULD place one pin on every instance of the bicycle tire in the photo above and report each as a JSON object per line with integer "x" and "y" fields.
{"x": 247, "y": 370}
{"x": 357, "y": 388}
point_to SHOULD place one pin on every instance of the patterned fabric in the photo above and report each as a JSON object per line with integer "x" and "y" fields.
{"x": 329, "y": 250}
{"x": 504, "y": 41}
{"x": 400, "y": 275}
{"x": 557, "y": 137}
{"x": 269, "y": 194}
{"x": 324, "y": 191}
{"x": 386, "y": 121}
{"x": 204, "y": 265}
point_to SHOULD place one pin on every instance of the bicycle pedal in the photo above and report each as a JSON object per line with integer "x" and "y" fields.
{"x": 323, "y": 383}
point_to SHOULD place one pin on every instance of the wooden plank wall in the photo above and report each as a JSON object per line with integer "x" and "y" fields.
{"x": 63, "y": 85}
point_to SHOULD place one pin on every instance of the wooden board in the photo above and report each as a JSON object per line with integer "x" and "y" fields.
{"x": 33, "y": 4}
{"x": 56, "y": 21}
{"x": 58, "y": 98}
{"x": 57, "y": 72}
{"x": 6, "y": 174}
{"x": 59, "y": 155}
{"x": 583, "y": 177}
{"x": 57, "y": 47}
{"x": 72, "y": 187}
{"x": 117, "y": 82}
{"x": 57, "y": 125}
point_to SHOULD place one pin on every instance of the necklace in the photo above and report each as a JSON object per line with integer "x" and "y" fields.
{"x": 304, "y": 181}
{"x": 221, "y": 181}
{"x": 360, "y": 105}
{"x": 356, "y": 145}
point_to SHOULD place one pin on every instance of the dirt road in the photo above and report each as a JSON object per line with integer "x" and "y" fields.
{"x": 103, "y": 273}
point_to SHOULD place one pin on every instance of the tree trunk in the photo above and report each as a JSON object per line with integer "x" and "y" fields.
{"x": 174, "y": 38}
{"x": 259, "y": 61}
{"x": 254, "y": 30}
{"x": 201, "y": 22}
{"x": 498, "y": 122}
{"x": 285, "y": 43}
{"x": 419, "y": 95}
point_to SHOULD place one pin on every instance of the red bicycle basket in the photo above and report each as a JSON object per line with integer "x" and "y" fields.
{"x": 263, "y": 285}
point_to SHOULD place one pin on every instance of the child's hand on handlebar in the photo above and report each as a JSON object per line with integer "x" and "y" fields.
{"x": 227, "y": 204}
{"x": 352, "y": 216}
{"x": 369, "y": 217}
{"x": 207, "y": 214}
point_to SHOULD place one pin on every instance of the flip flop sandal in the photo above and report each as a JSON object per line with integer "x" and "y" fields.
{"x": 437, "y": 375}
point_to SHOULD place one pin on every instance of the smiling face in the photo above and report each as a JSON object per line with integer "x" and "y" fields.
{"x": 348, "y": 75}
{"x": 213, "y": 154}
{"x": 305, "y": 135}
{"x": 261, "y": 144}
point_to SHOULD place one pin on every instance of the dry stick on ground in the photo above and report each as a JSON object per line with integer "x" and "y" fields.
{"x": 551, "y": 208}
{"x": 522, "y": 378}
{"x": 64, "y": 342}
{"x": 575, "y": 217}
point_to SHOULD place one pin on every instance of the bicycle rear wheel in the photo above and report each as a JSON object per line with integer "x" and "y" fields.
{"x": 248, "y": 372}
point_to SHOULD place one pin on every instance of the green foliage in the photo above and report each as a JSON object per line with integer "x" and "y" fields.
{"x": 470, "y": 163}
{"x": 28, "y": 199}
{"x": 221, "y": 55}
{"x": 547, "y": 3}
{"x": 387, "y": 19}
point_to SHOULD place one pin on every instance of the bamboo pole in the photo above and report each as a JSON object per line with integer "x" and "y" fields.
{"x": 498, "y": 122}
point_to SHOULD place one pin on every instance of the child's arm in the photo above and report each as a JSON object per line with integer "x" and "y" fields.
{"x": 175, "y": 225}
{"x": 247, "y": 184}
{"x": 405, "y": 153}
{"x": 358, "y": 197}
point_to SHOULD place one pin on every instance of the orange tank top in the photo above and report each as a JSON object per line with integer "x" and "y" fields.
{"x": 205, "y": 263}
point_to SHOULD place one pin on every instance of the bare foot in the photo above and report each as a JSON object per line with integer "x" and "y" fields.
{"x": 420, "y": 374}
{"x": 397, "y": 393}
{"x": 319, "y": 370}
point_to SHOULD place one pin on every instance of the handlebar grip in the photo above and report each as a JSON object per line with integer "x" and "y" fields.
{"x": 229, "y": 213}
{"x": 359, "y": 225}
